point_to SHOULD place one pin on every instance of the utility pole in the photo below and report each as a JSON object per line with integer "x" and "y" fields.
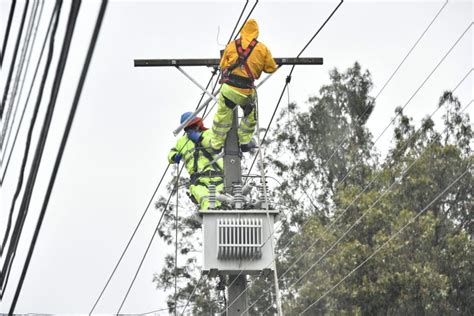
{"x": 241, "y": 248}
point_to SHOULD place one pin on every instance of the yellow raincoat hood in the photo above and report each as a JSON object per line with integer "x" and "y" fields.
{"x": 249, "y": 32}
{"x": 259, "y": 60}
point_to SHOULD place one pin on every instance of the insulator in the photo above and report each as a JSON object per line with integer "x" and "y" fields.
{"x": 212, "y": 196}
{"x": 238, "y": 197}
{"x": 261, "y": 196}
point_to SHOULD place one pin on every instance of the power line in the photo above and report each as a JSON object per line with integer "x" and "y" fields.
{"x": 288, "y": 79}
{"x": 238, "y": 20}
{"x": 339, "y": 146}
{"x": 32, "y": 124}
{"x": 154, "y": 193}
{"x": 149, "y": 244}
{"x": 400, "y": 150}
{"x": 279, "y": 100}
{"x": 22, "y": 213}
{"x": 443, "y": 58}
{"x": 12, "y": 65}
{"x": 7, "y": 32}
{"x": 21, "y": 63}
{"x": 389, "y": 240}
{"x": 21, "y": 88}
{"x": 57, "y": 163}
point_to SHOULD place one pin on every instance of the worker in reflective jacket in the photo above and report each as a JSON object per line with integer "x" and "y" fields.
{"x": 241, "y": 64}
{"x": 202, "y": 166}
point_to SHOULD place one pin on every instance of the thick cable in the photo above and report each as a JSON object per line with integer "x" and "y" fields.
{"x": 19, "y": 72}
{"x": 67, "y": 130}
{"x": 8, "y": 134}
{"x": 390, "y": 239}
{"x": 30, "y": 132}
{"x": 36, "y": 162}
{"x": 12, "y": 64}
{"x": 26, "y": 102}
{"x": 7, "y": 32}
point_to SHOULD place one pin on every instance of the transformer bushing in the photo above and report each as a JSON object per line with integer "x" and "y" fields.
{"x": 212, "y": 196}
{"x": 261, "y": 196}
{"x": 238, "y": 197}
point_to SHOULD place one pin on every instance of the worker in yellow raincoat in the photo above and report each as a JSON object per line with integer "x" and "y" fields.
{"x": 201, "y": 164}
{"x": 242, "y": 63}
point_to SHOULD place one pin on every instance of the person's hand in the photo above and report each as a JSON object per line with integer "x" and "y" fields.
{"x": 177, "y": 158}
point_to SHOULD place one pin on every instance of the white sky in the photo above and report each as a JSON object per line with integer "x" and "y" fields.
{"x": 123, "y": 127}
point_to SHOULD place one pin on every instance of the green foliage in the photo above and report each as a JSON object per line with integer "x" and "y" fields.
{"x": 346, "y": 203}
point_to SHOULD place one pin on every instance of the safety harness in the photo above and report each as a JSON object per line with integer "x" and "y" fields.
{"x": 217, "y": 172}
{"x": 239, "y": 81}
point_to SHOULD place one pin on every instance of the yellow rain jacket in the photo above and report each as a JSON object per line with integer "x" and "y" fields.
{"x": 197, "y": 160}
{"x": 259, "y": 60}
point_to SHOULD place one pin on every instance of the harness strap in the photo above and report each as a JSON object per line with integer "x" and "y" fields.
{"x": 228, "y": 77}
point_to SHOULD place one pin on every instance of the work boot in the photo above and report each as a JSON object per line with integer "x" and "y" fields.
{"x": 248, "y": 147}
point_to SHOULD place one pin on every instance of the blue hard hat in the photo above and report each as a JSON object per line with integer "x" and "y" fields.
{"x": 186, "y": 116}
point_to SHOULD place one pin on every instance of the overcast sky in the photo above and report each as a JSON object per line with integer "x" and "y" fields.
{"x": 123, "y": 127}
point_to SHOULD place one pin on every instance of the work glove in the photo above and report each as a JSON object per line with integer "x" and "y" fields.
{"x": 177, "y": 158}
{"x": 194, "y": 136}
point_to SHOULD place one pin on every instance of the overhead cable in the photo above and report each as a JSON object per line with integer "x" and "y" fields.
{"x": 13, "y": 61}
{"x": 388, "y": 240}
{"x": 19, "y": 72}
{"x": 36, "y": 162}
{"x": 60, "y": 153}
{"x": 7, "y": 32}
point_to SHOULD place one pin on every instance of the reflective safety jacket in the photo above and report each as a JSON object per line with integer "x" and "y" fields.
{"x": 196, "y": 157}
{"x": 259, "y": 60}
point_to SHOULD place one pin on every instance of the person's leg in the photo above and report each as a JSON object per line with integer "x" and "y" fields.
{"x": 201, "y": 194}
{"x": 227, "y": 101}
{"x": 249, "y": 121}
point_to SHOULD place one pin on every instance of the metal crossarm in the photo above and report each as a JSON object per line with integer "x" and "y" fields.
{"x": 214, "y": 62}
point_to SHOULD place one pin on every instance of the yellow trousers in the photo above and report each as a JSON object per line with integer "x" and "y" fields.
{"x": 228, "y": 99}
{"x": 200, "y": 191}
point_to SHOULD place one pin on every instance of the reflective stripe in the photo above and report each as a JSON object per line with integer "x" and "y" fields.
{"x": 218, "y": 133}
{"x": 247, "y": 122}
{"x": 246, "y": 130}
{"x": 221, "y": 125}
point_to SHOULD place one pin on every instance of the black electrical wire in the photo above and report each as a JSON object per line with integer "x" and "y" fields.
{"x": 7, "y": 142}
{"x": 19, "y": 72}
{"x": 238, "y": 20}
{"x": 32, "y": 124}
{"x": 288, "y": 78}
{"x": 154, "y": 193}
{"x": 57, "y": 163}
{"x": 22, "y": 213}
{"x": 149, "y": 243}
{"x": 26, "y": 103}
{"x": 7, "y": 32}
{"x": 12, "y": 65}
{"x": 246, "y": 19}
